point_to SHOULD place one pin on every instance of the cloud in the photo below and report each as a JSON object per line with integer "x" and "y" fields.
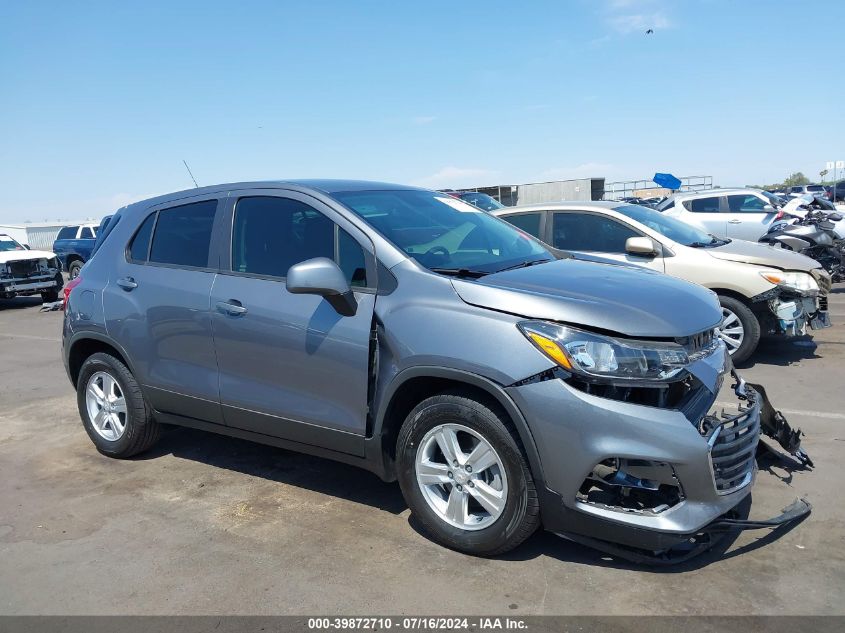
{"x": 423, "y": 120}
{"x": 452, "y": 177}
{"x": 630, "y": 16}
{"x": 632, "y": 22}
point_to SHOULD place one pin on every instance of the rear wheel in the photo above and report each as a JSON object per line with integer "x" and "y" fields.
{"x": 112, "y": 407}
{"x": 740, "y": 329}
{"x": 73, "y": 269}
{"x": 465, "y": 477}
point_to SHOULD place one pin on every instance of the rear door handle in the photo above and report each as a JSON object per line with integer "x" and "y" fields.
{"x": 127, "y": 283}
{"x": 734, "y": 221}
{"x": 232, "y": 307}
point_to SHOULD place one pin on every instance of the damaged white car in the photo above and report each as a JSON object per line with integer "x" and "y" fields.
{"x": 24, "y": 272}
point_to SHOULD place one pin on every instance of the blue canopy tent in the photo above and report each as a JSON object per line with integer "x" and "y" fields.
{"x": 667, "y": 180}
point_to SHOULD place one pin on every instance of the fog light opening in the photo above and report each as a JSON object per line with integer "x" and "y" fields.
{"x": 631, "y": 485}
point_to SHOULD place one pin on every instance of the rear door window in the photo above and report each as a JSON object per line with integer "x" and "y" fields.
{"x": 528, "y": 222}
{"x": 746, "y": 204}
{"x": 703, "y": 205}
{"x": 183, "y": 235}
{"x": 589, "y": 232}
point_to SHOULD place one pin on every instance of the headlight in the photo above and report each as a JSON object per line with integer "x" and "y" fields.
{"x": 597, "y": 356}
{"x": 802, "y": 282}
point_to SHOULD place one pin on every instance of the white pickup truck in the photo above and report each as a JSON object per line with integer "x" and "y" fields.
{"x": 24, "y": 272}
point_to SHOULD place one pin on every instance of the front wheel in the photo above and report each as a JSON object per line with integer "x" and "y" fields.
{"x": 464, "y": 476}
{"x": 740, "y": 329}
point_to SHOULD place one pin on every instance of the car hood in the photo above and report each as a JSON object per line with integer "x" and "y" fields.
{"x": 15, "y": 256}
{"x": 762, "y": 255}
{"x": 631, "y": 301}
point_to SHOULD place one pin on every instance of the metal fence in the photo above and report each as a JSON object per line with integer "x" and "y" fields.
{"x": 626, "y": 188}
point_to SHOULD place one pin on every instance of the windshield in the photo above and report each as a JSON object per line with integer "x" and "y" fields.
{"x": 442, "y": 232}
{"x": 776, "y": 201}
{"x": 675, "y": 230}
{"x": 482, "y": 201}
{"x": 9, "y": 244}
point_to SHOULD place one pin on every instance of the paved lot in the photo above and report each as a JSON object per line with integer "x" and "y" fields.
{"x": 212, "y": 525}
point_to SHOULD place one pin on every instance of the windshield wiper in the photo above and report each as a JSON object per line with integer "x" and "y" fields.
{"x": 525, "y": 264}
{"x": 460, "y": 272}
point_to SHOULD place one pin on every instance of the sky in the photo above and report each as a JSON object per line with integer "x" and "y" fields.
{"x": 100, "y": 102}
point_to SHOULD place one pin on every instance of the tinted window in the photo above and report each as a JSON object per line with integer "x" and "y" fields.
{"x": 140, "y": 245}
{"x": 815, "y": 188}
{"x": 703, "y": 205}
{"x": 183, "y": 234}
{"x": 67, "y": 233}
{"x": 745, "y": 204}
{"x": 587, "y": 232}
{"x": 528, "y": 222}
{"x": 86, "y": 233}
{"x": 272, "y": 234}
{"x": 676, "y": 230}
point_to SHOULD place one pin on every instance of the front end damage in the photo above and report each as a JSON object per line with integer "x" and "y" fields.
{"x": 790, "y": 312}
{"x": 735, "y": 441}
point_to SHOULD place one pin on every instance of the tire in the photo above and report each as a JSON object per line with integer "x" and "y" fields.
{"x": 139, "y": 430}
{"x": 49, "y": 296}
{"x": 510, "y": 477}
{"x": 750, "y": 326}
{"x": 73, "y": 269}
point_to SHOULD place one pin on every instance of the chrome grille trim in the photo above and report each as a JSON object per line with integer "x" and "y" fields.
{"x": 733, "y": 446}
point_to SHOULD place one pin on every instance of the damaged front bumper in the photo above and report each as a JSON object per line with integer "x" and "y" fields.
{"x": 791, "y": 313}
{"x": 661, "y": 485}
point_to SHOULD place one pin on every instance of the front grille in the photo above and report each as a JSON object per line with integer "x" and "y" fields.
{"x": 733, "y": 444}
{"x": 24, "y": 268}
{"x": 697, "y": 342}
{"x": 823, "y": 303}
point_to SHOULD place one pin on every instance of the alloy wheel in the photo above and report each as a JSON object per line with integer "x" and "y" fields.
{"x": 461, "y": 477}
{"x": 731, "y": 330}
{"x": 106, "y": 406}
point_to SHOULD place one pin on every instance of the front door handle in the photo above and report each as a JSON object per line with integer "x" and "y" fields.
{"x": 127, "y": 283}
{"x": 232, "y": 307}
{"x": 734, "y": 221}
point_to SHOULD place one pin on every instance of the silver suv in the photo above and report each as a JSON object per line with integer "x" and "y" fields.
{"x": 409, "y": 333}
{"x": 743, "y": 214}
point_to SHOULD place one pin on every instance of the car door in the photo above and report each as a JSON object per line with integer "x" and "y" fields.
{"x": 157, "y": 307}
{"x": 749, "y": 216}
{"x": 707, "y": 214}
{"x": 595, "y": 234}
{"x": 290, "y": 365}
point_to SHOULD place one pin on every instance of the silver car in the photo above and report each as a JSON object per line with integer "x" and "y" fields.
{"x": 405, "y": 331}
{"x": 743, "y": 214}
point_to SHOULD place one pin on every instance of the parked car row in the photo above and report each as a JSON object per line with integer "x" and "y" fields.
{"x": 505, "y": 383}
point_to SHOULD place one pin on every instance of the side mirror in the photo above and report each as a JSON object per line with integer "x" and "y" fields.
{"x": 641, "y": 246}
{"x": 769, "y": 208}
{"x": 321, "y": 276}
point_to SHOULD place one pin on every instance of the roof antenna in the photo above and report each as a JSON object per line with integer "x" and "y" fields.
{"x": 190, "y": 174}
